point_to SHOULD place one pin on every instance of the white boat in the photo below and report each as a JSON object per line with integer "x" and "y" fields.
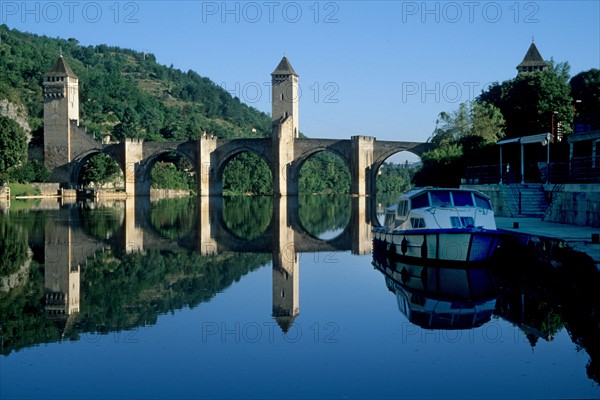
{"x": 439, "y": 224}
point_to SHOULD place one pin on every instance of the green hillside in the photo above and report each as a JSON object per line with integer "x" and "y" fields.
{"x": 124, "y": 92}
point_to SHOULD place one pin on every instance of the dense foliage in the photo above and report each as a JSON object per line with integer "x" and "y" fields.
{"x": 100, "y": 169}
{"x": 466, "y": 134}
{"x": 13, "y": 146}
{"x": 585, "y": 91}
{"x": 324, "y": 173}
{"x": 528, "y": 101}
{"x": 394, "y": 178}
{"x": 247, "y": 173}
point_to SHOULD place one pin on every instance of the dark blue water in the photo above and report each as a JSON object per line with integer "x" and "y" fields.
{"x": 349, "y": 338}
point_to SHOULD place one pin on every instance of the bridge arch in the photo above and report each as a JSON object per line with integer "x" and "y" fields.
{"x": 225, "y": 153}
{"x": 77, "y": 165}
{"x": 151, "y": 160}
{"x": 343, "y": 164}
{"x": 302, "y": 158}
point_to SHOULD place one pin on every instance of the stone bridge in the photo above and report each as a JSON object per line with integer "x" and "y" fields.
{"x": 67, "y": 146}
{"x": 209, "y": 155}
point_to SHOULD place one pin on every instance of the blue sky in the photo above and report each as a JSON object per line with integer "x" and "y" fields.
{"x": 377, "y": 68}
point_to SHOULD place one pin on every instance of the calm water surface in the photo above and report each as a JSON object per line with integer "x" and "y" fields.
{"x": 273, "y": 298}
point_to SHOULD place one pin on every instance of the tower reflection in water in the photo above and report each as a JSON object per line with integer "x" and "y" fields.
{"x": 454, "y": 296}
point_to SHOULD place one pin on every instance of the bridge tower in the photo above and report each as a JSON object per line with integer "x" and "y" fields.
{"x": 61, "y": 116}
{"x": 284, "y": 83}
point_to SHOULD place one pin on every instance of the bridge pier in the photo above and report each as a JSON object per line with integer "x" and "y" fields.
{"x": 284, "y": 183}
{"x": 207, "y": 184}
{"x": 361, "y": 160}
{"x": 133, "y": 155}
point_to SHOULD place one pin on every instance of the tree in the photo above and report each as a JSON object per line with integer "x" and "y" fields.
{"x": 585, "y": 91}
{"x": 31, "y": 171}
{"x": 394, "y": 178}
{"x": 528, "y": 101}
{"x": 462, "y": 135}
{"x": 13, "y": 146}
{"x": 99, "y": 170}
{"x": 247, "y": 173}
{"x": 473, "y": 122}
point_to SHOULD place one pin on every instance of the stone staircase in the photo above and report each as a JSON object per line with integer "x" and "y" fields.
{"x": 525, "y": 200}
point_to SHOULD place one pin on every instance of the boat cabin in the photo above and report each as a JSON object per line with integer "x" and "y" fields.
{"x": 437, "y": 198}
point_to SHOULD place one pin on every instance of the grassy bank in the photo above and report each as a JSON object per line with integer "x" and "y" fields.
{"x": 23, "y": 189}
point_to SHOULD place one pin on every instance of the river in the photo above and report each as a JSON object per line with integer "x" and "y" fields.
{"x": 260, "y": 297}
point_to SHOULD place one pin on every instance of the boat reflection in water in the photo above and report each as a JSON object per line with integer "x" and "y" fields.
{"x": 462, "y": 296}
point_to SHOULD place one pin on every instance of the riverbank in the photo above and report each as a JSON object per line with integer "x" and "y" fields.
{"x": 552, "y": 237}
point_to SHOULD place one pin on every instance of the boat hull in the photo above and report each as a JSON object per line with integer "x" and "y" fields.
{"x": 463, "y": 245}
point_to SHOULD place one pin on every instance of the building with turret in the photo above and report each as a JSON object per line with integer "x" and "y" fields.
{"x": 532, "y": 62}
{"x": 63, "y": 137}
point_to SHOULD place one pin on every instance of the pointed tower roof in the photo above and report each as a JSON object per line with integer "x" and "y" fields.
{"x": 284, "y": 68}
{"x": 61, "y": 68}
{"x": 532, "y": 58}
{"x": 285, "y": 323}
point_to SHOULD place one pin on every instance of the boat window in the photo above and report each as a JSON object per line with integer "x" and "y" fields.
{"x": 462, "y": 199}
{"x": 420, "y": 201}
{"x": 455, "y": 222}
{"x": 467, "y": 222}
{"x": 440, "y": 198}
{"x": 481, "y": 201}
{"x": 460, "y": 222}
{"x": 402, "y": 208}
{"x": 417, "y": 222}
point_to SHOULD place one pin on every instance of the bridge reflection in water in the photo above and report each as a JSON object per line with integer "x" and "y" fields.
{"x": 70, "y": 240}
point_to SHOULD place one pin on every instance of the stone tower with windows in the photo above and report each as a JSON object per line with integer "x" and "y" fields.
{"x": 532, "y": 62}
{"x": 285, "y": 96}
{"x": 61, "y": 116}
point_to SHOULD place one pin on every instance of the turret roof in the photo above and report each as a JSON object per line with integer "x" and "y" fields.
{"x": 532, "y": 58}
{"x": 61, "y": 68}
{"x": 284, "y": 68}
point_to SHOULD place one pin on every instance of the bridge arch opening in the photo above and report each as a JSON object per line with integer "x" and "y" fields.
{"x": 98, "y": 170}
{"x": 324, "y": 182}
{"x": 324, "y": 172}
{"x": 170, "y": 170}
{"x": 245, "y": 173}
{"x": 393, "y": 175}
